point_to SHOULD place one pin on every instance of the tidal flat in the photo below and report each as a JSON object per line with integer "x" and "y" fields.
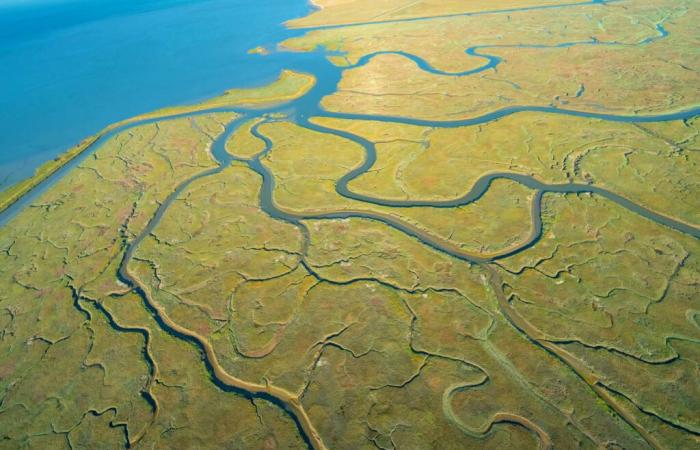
{"x": 426, "y": 239}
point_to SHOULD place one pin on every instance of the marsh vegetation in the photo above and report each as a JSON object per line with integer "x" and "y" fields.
{"x": 449, "y": 255}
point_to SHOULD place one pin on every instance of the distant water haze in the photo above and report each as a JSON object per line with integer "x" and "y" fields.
{"x": 70, "y": 67}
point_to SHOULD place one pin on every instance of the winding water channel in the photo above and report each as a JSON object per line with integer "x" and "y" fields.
{"x": 300, "y": 112}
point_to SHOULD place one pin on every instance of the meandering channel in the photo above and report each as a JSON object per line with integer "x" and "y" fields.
{"x": 308, "y": 107}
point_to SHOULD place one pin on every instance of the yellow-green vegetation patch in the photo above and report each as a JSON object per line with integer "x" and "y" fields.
{"x": 192, "y": 411}
{"x": 259, "y": 50}
{"x": 332, "y": 12}
{"x": 305, "y": 184}
{"x": 391, "y": 85}
{"x": 212, "y": 240}
{"x": 242, "y": 143}
{"x": 615, "y": 290}
{"x": 654, "y": 165}
{"x": 534, "y": 69}
{"x": 500, "y": 379}
{"x": 445, "y": 50}
{"x": 350, "y": 249}
{"x": 65, "y": 361}
{"x": 288, "y": 86}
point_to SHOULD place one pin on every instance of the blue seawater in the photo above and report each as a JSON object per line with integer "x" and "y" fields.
{"x": 68, "y": 68}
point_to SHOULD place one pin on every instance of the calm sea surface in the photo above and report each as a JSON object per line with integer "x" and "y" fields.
{"x": 70, "y": 67}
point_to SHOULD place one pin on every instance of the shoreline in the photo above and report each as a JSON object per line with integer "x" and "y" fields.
{"x": 243, "y": 97}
